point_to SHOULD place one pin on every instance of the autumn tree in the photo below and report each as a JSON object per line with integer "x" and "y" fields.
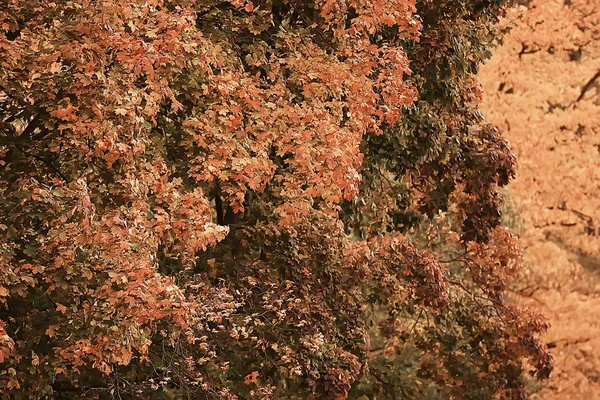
{"x": 268, "y": 199}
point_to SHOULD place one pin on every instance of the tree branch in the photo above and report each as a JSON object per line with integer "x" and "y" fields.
{"x": 588, "y": 86}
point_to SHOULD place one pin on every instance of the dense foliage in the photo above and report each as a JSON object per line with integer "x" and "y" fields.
{"x": 268, "y": 199}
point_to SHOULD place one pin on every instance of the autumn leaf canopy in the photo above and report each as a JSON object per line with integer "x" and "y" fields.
{"x": 245, "y": 199}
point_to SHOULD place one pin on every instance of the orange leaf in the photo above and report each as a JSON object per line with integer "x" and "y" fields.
{"x": 251, "y": 377}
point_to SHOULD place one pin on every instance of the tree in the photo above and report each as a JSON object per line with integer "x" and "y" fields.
{"x": 235, "y": 199}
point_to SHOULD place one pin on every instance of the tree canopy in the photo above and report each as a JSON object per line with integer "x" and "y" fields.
{"x": 271, "y": 199}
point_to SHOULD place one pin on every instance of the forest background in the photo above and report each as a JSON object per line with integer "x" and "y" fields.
{"x": 533, "y": 93}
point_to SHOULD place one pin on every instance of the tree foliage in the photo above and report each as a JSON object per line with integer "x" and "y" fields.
{"x": 267, "y": 199}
